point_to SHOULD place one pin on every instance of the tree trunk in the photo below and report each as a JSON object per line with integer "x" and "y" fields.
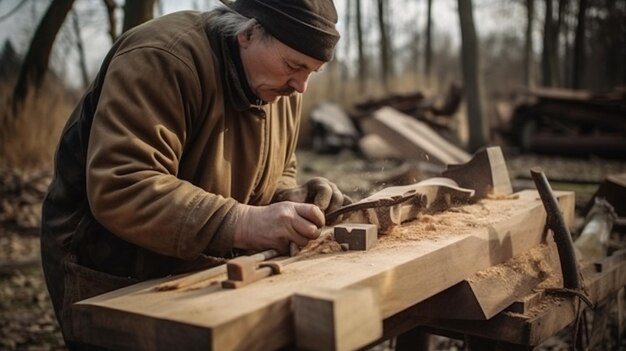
{"x": 558, "y": 27}
{"x": 385, "y": 59}
{"x": 110, "y": 6}
{"x": 547, "y": 58}
{"x": 345, "y": 74}
{"x": 137, "y": 12}
{"x": 428, "y": 46}
{"x": 616, "y": 43}
{"x": 35, "y": 63}
{"x": 528, "y": 47}
{"x": 478, "y": 129}
{"x": 579, "y": 46}
{"x": 81, "y": 50}
{"x": 359, "y": 36}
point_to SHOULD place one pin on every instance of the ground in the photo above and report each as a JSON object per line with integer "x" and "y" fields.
{"x": 26, "y": 318}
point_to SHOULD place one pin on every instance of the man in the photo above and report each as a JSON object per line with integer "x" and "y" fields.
{"x": 181, "y": 153}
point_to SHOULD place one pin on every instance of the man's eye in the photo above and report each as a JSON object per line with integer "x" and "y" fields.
{"x": 291, "y": 68}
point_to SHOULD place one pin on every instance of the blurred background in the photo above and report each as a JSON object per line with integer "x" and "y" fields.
{"x": 494, "y": 52}
{"x": 543, "y": 79}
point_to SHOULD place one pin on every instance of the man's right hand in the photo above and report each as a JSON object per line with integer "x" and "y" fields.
{"x": 276, "y": 225}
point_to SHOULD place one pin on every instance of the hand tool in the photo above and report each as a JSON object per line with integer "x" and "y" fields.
{"x": 244, "y": 270}
{"x": 394, "y": 205}
{"x": 205, "y": 275}
{"x": 486, "y": 173}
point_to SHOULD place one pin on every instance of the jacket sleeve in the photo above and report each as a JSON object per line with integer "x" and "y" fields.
{"x": 146, "y": 108}
{"x": 288, "y": 178}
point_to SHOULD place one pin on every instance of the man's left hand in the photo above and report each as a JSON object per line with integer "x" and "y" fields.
{"x": 318, "y": 191}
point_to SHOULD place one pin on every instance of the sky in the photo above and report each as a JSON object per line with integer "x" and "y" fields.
{"x": 407, "y": 16}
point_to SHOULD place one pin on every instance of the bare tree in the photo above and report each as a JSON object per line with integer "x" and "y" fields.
{"x": 111, "y": 6}
{"x": 81, "y": 49}
{"x": 35, "y": 63}
{"x": 359, "y": 36}
{"x": 549, "y": 56}
{"x": 558, "y": 28}
{"x": 528, "y": 47}
{"x": 428, "y": 47}
{"x": 137, "y": 12}
{"x": 478, "y": 129}
{"x": 346, "y": 36}
{"x": 385, "y": 45}
{"x": 579, "y": 45}
{"x": 614, "y": 31}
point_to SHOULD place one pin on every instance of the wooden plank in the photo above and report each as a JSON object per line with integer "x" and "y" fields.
{"x": 336, "y": 319}
{"x": 561, "y": 94}
{"x": 413, "y": 138}
{"x": 415, "y": 261}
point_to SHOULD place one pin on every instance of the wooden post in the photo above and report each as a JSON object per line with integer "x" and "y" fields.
{"x": 336, "y": 319}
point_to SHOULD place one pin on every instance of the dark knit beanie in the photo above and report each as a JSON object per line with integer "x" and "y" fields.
{"x": 307, "y": 26}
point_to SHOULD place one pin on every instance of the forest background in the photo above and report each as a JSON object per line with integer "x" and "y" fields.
{"x": 494, "y": 48}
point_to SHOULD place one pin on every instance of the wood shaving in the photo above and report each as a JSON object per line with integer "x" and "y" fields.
{"x": 453, "y": 221}
{"x": 500, "y": 196}
{"x": 324, "y": 244}
{"x": 536, "y": 262}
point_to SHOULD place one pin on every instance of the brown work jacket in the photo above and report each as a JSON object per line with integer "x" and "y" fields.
{"x": 159, "y": 152}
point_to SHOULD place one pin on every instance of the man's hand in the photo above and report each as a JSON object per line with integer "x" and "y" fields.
{"x": 318, "y": 191}
{"x": 276, "y": 225}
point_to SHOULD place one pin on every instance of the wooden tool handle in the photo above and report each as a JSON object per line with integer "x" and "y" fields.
{"x": 211, "y": 273}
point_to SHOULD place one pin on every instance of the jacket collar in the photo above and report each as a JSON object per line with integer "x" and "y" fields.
{"x": 236, "y": 88}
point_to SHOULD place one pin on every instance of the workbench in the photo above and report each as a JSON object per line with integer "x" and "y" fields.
{"x": 345, "y": 300}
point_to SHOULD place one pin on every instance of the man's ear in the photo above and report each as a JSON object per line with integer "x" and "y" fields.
{"x": 244, "y": 38}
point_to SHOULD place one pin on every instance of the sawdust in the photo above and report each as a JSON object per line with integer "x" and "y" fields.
{"x": 453, "y": 221}
{"x": 535, "y": 263}
{"x": 324, "y": 244}
{"x": 500, "y": 196}
{"x": 540, "y": 306}
{"x": 457, "y": 220}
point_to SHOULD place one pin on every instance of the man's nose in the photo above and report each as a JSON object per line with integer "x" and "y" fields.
{"x": 299, "y": 82}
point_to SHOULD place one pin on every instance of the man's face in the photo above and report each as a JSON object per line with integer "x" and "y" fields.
{"x": 274, "y": 69}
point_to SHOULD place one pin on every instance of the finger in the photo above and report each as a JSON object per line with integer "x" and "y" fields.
{"x": 311, "y": 213}
{"x": 299, "y": 241}
{"x": 346, "y": 200}
{"x": 323, "y": 195}
{"x": 305, "y": 228}
{"x": 336, "y": 200}
{"x": 282, "y": 247}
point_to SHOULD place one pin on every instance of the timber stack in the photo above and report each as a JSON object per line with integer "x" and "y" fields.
{"x": 571, "y": 122}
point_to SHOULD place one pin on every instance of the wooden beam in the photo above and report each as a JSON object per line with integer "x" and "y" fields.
{"x": 412, "y": 263}
{"x": 549, "y": 314}
{"x": 336, "y": 319}
{"x": 490, "y": 291}
{"x": 413, "y": 138}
